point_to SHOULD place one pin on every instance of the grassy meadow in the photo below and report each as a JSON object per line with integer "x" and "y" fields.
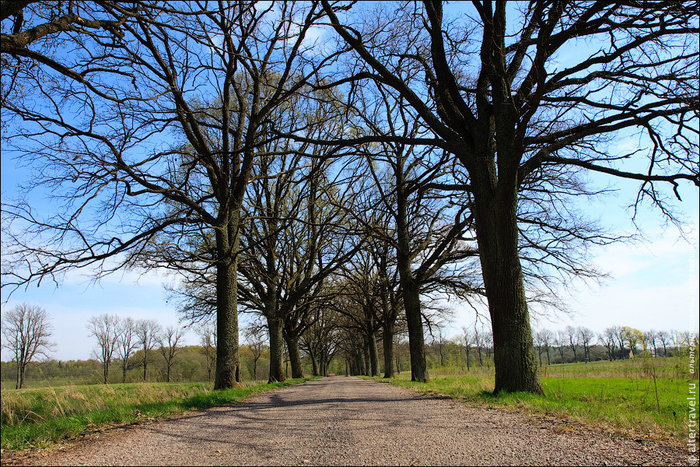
{"x": 639, "y": 398}
{"x": 37, "y": 417}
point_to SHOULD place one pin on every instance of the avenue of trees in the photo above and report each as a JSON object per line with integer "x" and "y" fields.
{"x": 323, "y": 350}
{"x": 338, "y": 170}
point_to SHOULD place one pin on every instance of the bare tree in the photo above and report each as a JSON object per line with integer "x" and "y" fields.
{"x": 169, "y": 340}
{"x": 607, "y": 339}
{"x": 543, "y": 339}
{"x": 207, "y": 339}
{"x": 297, "y": 233}
{"x": 26, "y": 331}
{"x": 440, "y": 341}
{"x": 560, "y": 342}
{"x": 493, "y": 92}
{"x": 479, "y": 342}
{"x": 147, "y": 334}
{"x": 321, "y": 339}
{"x": 537, "y": 340}
{"x": 650, "y": 338}
{"x": 105, "y": 328}
{"x": 664, "y": 338}
{"x": 126, "y": 343}
{"x": 585, "y": 336}
{"x": 573, "y": 338}
{"x": 255, "y": 338}
{"x": 467, "y": 338}
{"x": 620, "y": 337}
{"x": 547, "y": 340}
{"x": 207, "y": 78}
{"x": 425, "y": 227}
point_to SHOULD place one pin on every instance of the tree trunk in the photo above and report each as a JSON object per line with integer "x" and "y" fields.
{"x": 294, "y": 356}
{"x": 497, "y": 235}
{"x": 22, "y": 374}
{"x": 367, "y": 365}
{"x": 359, "y": 364}
{"x": 326, "y": 364}
{"x": 314, "y": 365}
{"x": 276, "y": 349}
{"x": 416, "y": 343}
{"x": 105, "y": 373}
{"x": 228, "y": 365}
{"x": 373, "y": 354}
{"x": 411, "y": 289}
{"x": 388, "y": 350}
{"x": 145, "y": 364}
{"x": 18, "y": 382}
{"x": 167, "y": 374}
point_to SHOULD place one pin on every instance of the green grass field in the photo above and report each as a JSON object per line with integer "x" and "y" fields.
{"x": 41, "y": 416}
{"x": 620, "y": 396}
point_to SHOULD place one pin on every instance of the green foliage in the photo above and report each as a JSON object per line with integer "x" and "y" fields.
{"x": 38, "y": 417}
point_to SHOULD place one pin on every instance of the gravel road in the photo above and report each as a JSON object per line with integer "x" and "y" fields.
{"x": 348, "y": 421}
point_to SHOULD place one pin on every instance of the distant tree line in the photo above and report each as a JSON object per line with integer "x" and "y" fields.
{"x": 145, "y": 351}
{"x": 580, "y": 344}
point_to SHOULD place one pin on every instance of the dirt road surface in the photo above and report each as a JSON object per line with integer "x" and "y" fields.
{"x": 349, "y": 421}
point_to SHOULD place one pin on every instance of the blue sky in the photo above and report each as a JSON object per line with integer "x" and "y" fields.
{"x": 653, "y": 282}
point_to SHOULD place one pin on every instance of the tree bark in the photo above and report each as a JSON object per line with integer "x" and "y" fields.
{"x": 411, "y": 289}
{"x": 497, "y": 235}
{"x": 367, "y": 370}
{"x": 416, "y": 343}
{"x": 314, "y": 365}
{"x": 388, "y": 345}
{"x": 276, "y": 349}
{"x": 373, "y": 354}
{"x": 294, "y": 356}
{"x": 359, "y": 364}
{"x": 228, "y": 371}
